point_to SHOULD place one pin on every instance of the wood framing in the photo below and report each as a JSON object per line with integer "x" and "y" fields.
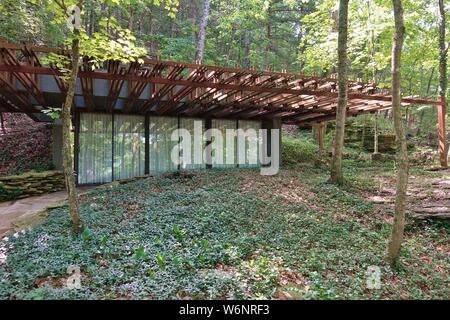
{"x": 178, "y": 89}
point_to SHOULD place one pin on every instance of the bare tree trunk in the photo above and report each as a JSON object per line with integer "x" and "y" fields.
{"x": 372, "y": 40}
{"x": 131, "y": 19}
{"x": 193, "y": 14}
{"x": 67, "y": 149}
{"x": 402, "y": 152}
{"x": 246, "y": 61}
{"x": 336, "y": 162}
{"x": 443, "y": 82}
{"x": 202, "y": 33}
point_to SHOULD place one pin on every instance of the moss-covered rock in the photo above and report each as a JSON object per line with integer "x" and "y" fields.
{"x": 30, "y": 184}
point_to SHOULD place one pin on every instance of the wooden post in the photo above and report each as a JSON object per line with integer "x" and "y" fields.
{"x": 320, "y": 129}
{"x": 442, "y": 132}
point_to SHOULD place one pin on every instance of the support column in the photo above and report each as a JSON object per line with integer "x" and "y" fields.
{"x": 442, "y": 132}
{"x": 320, "y": 135}
{"x": 375, "y": 134}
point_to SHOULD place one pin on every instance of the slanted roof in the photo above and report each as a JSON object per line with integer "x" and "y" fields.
{"x": 170, "y": 88}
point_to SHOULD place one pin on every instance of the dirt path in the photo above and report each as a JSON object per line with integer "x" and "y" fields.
{"x": 428, "y": 197}
{"x": 13, "y": 211}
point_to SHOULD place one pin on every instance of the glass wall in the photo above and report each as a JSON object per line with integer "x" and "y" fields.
{"x": 95, "y": 145}
{"x": 192, "y": 159}
{"x": 249, "y": 143}
{"x": 224, "y": 156}
{"x": 129, "y": 146}
{"x": 114, "y": 147}
{"x": 161, "y": 144}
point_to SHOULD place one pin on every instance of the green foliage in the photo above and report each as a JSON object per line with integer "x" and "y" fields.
{"x": 298, "y": 36}
{"x": 86, "y": 235}
{"x": 370, "y": 42}
{"x": 140, "y": 254}
{"x": 340, "y": 197}
{"x": 53, "y": 113}
{"x": 210, "y": 237}
{"x": 294, "y": 151}
{"x": 114, "y": 43}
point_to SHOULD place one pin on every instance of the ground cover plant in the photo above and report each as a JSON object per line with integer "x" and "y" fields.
{"x": 228, "y": 234}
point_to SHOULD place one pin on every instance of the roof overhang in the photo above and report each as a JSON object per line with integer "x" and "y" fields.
{"x": 169, "y": 88}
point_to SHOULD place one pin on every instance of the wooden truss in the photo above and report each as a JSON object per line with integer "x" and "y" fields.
{"x": 188, "y": 90}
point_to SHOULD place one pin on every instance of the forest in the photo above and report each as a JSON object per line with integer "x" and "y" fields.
{"x": 359, "y": 209}
{"x": 297, "y": 36}
{"x": 294, "y": 36}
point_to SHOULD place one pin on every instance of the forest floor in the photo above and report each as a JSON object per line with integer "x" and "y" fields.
{"x": 236, "y": 234}
{"x": 428, "y": 194}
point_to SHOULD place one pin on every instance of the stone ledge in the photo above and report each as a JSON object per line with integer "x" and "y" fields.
{"x": 30, "y": 184}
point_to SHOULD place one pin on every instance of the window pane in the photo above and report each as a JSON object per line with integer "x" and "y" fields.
{"x": 129, "y": 146}
{"x": 95, "y": 156}
{"x": 224, "y": 156}
{"x": 193, "y": 160}
{"x": 161, "y": 145}
{"x": 249, "y": 143}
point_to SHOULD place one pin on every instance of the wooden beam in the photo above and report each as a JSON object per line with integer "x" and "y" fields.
{"x": 87, "y": 87}
{"x": 168, "y": 86}
{"x": 138, "y": 87}
{"x": 171, "y": 82}
{"x": 26, "y": 79}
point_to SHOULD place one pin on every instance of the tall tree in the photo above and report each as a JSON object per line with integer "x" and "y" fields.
{"x": 402, "y": 152}
{"x": 336, "y": 162}
{"x": 202, "y": 33}
{"x": 99, "y": 48}
{"x": 443, "y": 82}
{"x": 69, "y": 176}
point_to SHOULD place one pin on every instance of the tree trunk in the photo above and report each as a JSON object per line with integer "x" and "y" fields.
{"x": 372, "y": 40}
{"x": 131, "y": 19}
{"x": 269, "y": 35}
{"x": 402, "y": 152}
{"x": 67, "y": 149}
{"x": 336, "y": 162}
{"x": 246, "y": 61}
{"x": 443, "y": 82}
{"x": 202, "y": 33}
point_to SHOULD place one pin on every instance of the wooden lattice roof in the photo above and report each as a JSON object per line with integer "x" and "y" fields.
{"x": 169, "y": 88}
